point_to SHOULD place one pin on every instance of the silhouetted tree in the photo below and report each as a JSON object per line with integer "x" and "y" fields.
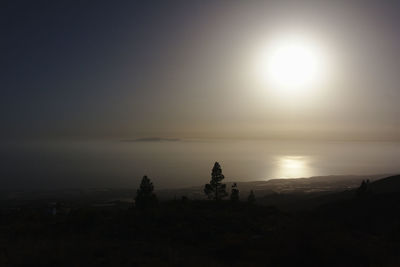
{"x": 145, "y": 198}
{"x": 234, "y": 193}
{"x": 363, "y": 190}
{"x": 215, "y": 189}
{"x": 251, "y": 198}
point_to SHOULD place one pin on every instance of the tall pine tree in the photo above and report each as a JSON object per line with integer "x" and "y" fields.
{"x": 216, "y": 189}
{"x": 145, "y": 198}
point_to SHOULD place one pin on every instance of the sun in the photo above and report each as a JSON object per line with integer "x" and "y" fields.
{"x": 291, "y": 62}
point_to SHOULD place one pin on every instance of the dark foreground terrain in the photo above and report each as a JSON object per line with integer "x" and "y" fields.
{"x": 347, "y": 229}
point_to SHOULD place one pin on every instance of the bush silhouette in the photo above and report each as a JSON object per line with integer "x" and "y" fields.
{"x": 364, "y": 189}
{"x": 251, "y": 198}
{"x": 215, "y": 189}
{"x": 234, "y": 193}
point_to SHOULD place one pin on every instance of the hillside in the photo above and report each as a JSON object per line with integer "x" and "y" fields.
{"x": 386, "y": 185}
{"x": 314, "y": 185}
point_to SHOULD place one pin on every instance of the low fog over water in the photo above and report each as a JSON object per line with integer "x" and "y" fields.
{"x": 178, "y": 163}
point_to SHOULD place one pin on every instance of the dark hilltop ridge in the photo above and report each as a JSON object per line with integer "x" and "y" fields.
{"x": 386, "y": 185}
{"x": 313, "y": 186}
{"x": 320, "y": 221}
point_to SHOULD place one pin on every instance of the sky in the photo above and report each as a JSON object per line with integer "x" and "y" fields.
{"x": 185, "y": 69}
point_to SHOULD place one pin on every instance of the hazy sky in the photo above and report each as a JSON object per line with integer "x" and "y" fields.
{"x": 126, "y": 69}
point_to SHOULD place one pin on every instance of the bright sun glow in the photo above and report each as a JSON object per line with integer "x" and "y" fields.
{"x": 292, "y": 167}
{"x": 291, "y": 62}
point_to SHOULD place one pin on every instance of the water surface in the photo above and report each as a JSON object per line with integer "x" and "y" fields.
{"x": 179, "y": 163}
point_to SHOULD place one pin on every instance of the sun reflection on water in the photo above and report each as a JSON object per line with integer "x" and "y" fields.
{"x": 292, "y": 167}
